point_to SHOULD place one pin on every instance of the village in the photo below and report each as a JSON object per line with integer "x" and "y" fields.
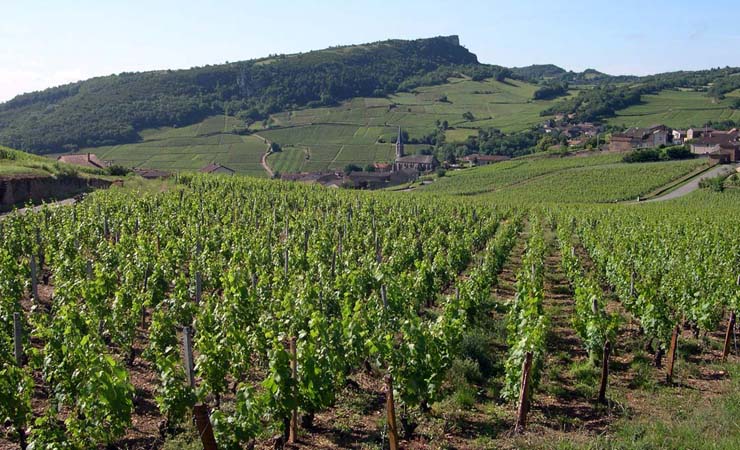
{"x": 721, "y": 146}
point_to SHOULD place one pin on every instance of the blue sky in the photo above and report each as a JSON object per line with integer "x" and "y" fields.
{"x": 45, "y": 43}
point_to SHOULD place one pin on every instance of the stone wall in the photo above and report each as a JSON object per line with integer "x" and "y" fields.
{"x": 21, "y": 190}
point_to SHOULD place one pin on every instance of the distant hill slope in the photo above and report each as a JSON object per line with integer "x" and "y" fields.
{"x": 111, "y": 110}
{"x": 357, "y": 131}
{"x": 620, "y": 93}
{"x": 597, "y": 178}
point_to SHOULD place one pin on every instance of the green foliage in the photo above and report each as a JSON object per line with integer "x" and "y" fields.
{"x": 599, "y": 178}
{"x": 526, "y": 321}
{"x": 551, "y": 90}
{"x": 605, "y": 100}
{"x": 119, "y": 171}
{"x": 349, "y": 168}
{"x": 715, "y": 184}
{"x": 594, "y": 325}
{"x": 111, "y": 110}
{"x": 659, "y": 154}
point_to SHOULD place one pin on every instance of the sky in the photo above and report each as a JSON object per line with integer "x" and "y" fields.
{"x": 45, "y": 43}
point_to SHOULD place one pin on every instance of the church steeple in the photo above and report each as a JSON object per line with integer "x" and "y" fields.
{"x": 399, "y": 144}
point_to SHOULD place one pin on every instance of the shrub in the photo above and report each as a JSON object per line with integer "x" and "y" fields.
{"x": 476, "y": 346}
{"x": 734, "y": 180}
{"x": 679, "y": 152}
{"x": 441, "y": 172}
{"x": 349, "y": 168}
{"x": 638, "y": 156}
{"x": 716, "y": 184}
{"x": 465, "y": 396}
{"x": 464, "y": 370}
{"x": 118, "y": 170}
{"x": 659, "y": 154}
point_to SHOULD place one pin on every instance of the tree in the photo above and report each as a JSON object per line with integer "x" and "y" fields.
{"x": 468, "y": 116}
{"x": 275, "y": 147}
{"x": 349, "y": 168}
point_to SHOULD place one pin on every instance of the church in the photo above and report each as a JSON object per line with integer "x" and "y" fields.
{"x": 419, "y": 163}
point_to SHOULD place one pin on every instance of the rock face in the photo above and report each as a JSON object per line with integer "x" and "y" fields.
{"x": 20, "y": 190}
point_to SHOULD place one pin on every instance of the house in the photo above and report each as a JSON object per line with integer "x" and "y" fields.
{"x": 420, "y": 163}
{"x": 217, "y": 169}
{"x": 696, "y": 133}
{"x": 635, "y": 138}
{"x": 383, "y": 167}
{"x": 727, "y": 153}
{"x": 679, "y": 136}
{"x": 83, "y": 159}
{"x": 476, "y": 159}
{"x": 152, "y": 174}
{"x": 712, "y": 141}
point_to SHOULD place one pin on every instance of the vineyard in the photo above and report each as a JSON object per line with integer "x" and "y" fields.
{"x": 233, "y": 313}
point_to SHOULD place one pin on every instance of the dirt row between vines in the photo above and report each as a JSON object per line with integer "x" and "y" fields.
{"x": 357, "y": 421}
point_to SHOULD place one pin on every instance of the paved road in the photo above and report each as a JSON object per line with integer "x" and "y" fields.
{"x": 693, "y": 184}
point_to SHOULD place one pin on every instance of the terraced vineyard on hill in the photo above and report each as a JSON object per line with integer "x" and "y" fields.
{"x": 597, "y": 178}
{"x": 678, "y": 109}
{"x": 192, "y": 147}
{"x": 359, "y": 131}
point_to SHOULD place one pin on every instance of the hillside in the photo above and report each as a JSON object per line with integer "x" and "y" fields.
{"x": 598, "y": 178}
{"x": 113, "y": 109}
{"x": 14, "y": 163}
{"x": 358, "y": 131}
{"x": 342, "y": 105}
{"x": 605, "y": 100}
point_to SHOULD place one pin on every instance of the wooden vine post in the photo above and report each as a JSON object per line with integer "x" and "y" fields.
{"x": 293, "y": 426}
{"x": 730, "y": 330}
{"x": 200, "y": 412}
{"x": 390, "y": 409}
{"x": 205, "y": 429}
{"x": 34, "y": 280}
{"x": 17, "y": 336}
{"x": 672, "y": 355}
{"x": 521, "y": 416}
{"x": 188, "y": 347}
{"x": 604, "y": 372}
{"x": 728, "y": 335}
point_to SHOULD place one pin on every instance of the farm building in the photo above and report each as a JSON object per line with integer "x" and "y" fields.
{"x": 696, "y": 133}
{"x": 383, "y": 167}
{"x": 217, "y": 169}
{"x": 727, "y": 153}
{"x": 635, "y": 138}
{"x": 679, "y": 136}
{"x": 420, "y": 163}
{"x": 711, "y": 142}
{"x": 83, "y": 159}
